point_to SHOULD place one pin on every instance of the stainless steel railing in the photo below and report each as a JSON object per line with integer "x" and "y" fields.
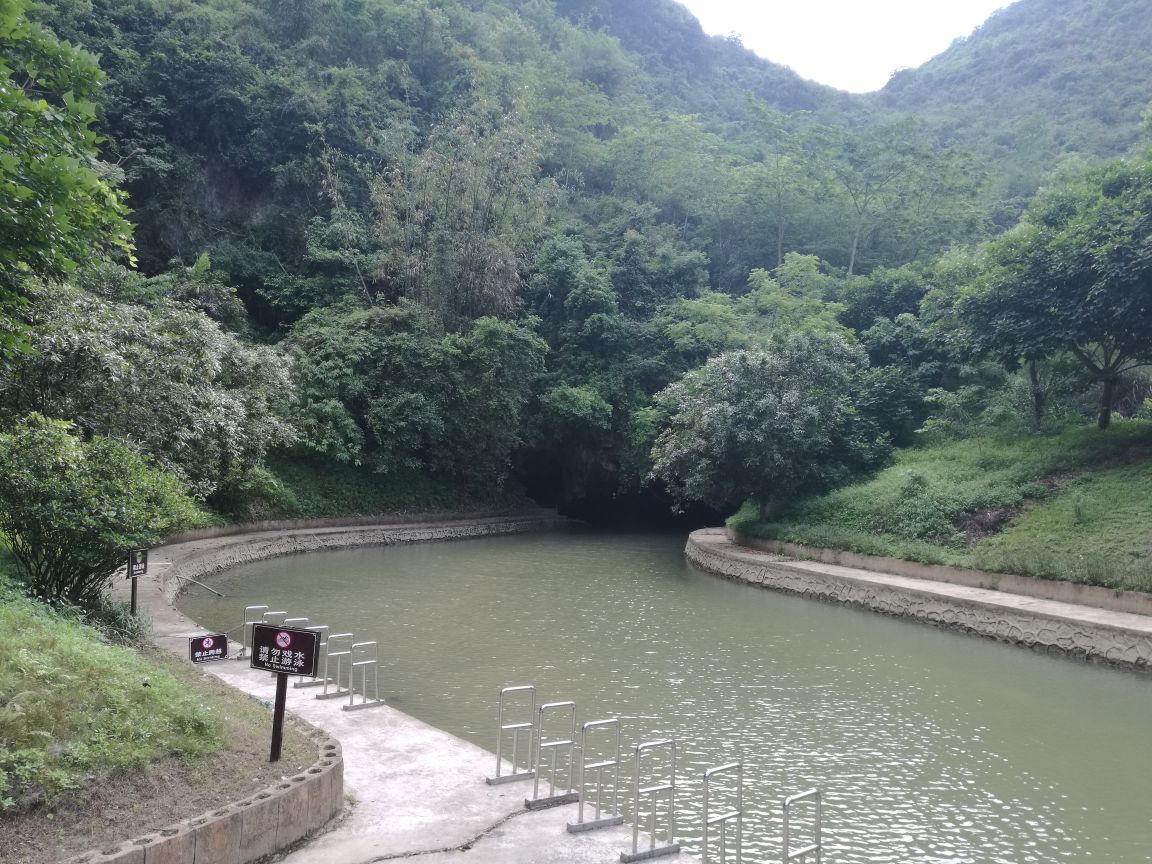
{"x": 339, "y": 646}
{"x": 552, "y": 747}
{"x": 363, "y": 657}
{"x": 611, "y": 760}
{"x": 725, "y": 816}
{"x": 817, "y": 846}
{"x": 514, "y": 729}
{"x": 322, "y": 663}
{"x": 652, "y": 794}
{"x": 250, "y": 613}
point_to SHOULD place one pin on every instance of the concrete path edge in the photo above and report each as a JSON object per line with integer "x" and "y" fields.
{"x": 1122, "y": 639}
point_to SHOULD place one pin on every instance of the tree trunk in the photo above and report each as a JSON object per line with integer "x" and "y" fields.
{"x": 1105, "y": 417}
{"x": 1039, "y": 397}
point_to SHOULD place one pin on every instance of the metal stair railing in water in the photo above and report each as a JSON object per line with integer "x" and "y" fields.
{"x": 316, "y": 681}
{"x": 722, "y": 819}
{"x": 652, "y": 793}
{"x": 368, "y": 662}
{"x": 567, "y": 797}
{"x": 336, "y": 649}
{"x": 278, "y": 616}
{"x": 817, "y": 846}
{"x": 614, "y": 816}
{"x": 515, "y": 728}
{"x": 249, "y": 619}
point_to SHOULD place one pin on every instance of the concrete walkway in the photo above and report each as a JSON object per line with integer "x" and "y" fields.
{"x": 415, "y": 790}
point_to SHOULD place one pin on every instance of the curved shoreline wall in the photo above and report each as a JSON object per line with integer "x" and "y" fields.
{"x": 280, "y": 816}
{"x": 1118, "y": 638}
{"x": 197, "y": 559}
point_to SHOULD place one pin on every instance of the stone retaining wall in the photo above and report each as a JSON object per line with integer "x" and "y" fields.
{"x": 198, "y": 560}
{"x": 353, "y": 521}
{"x": 249, "y": 829}
{"x": 1022, "y": 621}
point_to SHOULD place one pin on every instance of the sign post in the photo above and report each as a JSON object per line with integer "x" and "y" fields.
{"x": 137, "y": 567}
{"x": 285, "y": 651}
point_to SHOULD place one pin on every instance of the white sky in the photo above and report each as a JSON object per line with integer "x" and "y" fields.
{"x": 851, "y": 44}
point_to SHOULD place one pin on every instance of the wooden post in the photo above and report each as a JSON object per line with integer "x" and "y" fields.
{"x": 278, "y": 716}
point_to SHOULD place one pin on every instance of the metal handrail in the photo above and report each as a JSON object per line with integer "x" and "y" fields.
{"x": 724, "y": 818}
{"x": 515, "y": 729}
{"x": 246, "y": 635}
{"x": 817, "y": 846}
{"x": 614, "y": 817}
{"x": 322, "y": 630}
{"x": 329, "y": 653}
{"x": 364, "y": 664}
{"x": 652, "y": 793}
{"x": 552, "y": 747}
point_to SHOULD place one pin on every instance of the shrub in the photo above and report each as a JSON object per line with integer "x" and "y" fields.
{"x": 71, "y": 508}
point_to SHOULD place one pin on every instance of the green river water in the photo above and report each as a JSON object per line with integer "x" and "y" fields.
{"x": 929, "y": 746}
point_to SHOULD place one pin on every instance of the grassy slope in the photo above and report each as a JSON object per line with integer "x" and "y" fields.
{"x": 75, "y": 710}
{"x": 1077, "y": 506}
{"x": 71, "y": 705}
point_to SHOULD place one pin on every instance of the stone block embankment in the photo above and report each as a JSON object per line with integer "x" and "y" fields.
{"x": 1119, "y": 638}
{"x": 247, "y": 830}
{"x": 198, "y": 559}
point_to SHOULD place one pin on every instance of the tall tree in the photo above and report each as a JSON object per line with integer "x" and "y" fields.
{"x": 1076, "y": 277}
{"x": 767, "y": 425}
{"x": 58, "y": 207}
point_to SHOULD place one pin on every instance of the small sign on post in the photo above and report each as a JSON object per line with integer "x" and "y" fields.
{"x": 205, "y": 649}
{"x": 285, "y": 651}
{"x": 137, "y": 563}
{"x": 137, "y": 567}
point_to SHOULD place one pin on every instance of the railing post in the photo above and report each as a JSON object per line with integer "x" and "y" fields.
{"x": 317, "y": 680}
{"x": 722, "y": 819}
{"x": 515, "y": 728}
{"x": 250, "y": 613}
{"x": 614, "y": 817}
{"x": 652, "y": 793}
{"x": 567, "y": 744}
{"x": 365, "y": 664}
{"x": 336, "y": 649}
{"x": 817, "y": 846}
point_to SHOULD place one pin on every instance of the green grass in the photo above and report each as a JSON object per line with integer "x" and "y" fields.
{"x": 1078, "y": 506}
{"x": 72, "y": 706}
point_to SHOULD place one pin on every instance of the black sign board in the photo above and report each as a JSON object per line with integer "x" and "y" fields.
{"x": 289, "y": 650}
{"x": 205, "y": 649}
{"x": 137, "y": 563}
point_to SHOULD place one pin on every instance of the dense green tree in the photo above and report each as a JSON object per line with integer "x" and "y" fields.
{"x": 1076, "y": 277}
{"x": 58, "y": 205}
{"x": 72, "y": 508}
{"x": 464, "y": 213}
{"x": 491, "y": 371}
{"x": 767, "y": 425}
{"x": 382, "y": 386}
{"x": 155, "y": 372}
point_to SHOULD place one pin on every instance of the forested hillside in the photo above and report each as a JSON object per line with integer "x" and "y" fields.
{"x": 1041, "y": 80}
{"x": 473, "y": 241}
